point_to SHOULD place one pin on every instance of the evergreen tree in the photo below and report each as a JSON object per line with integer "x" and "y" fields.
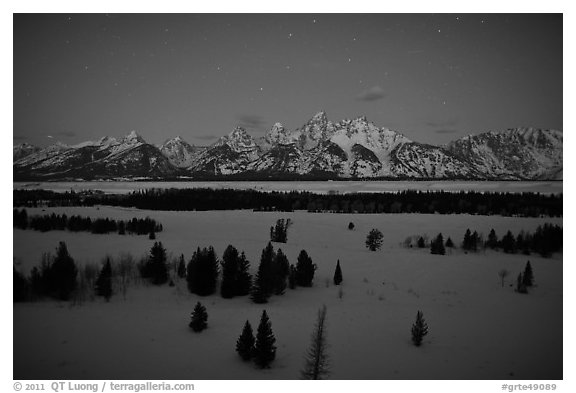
{"x": 61, "y": 275}
{"x": 419, "y": 329}
{"x": 492, "y": 241}
{"x": 279, "y": 232}
{"x": 437, "y": 245}
{"x": 264, "y": 348}
{"x": 520, "y": 286}
{"x": 304, "y": 270}
{"x": 281, "y": 270}
{"x": 152, "y": 235}
{"x": 121, "y": 228}
{"x": 337, "y": 274}
{"x": 181, "y": 267}
{"x": 244, "y": 278}
{"x": 230, "y": 268}
{"x": 263, "y": 284}
{"x": 316, "y": 364}
{"x": 421, "y": 243}
{"x": 528, "y": 276}
{"x": 475, "y": 239}
{"x": 202, "y": 272}
{"x": 199, "y": 318}
{"x": 509, "y": 243}
{"x": 104, "y": 281}
{"x": 449, "y": 243}
{"x": 292, "y": 277}
{"x": 245, "y": 343}
{"x": 351, "y": 226}
{"x": 157, "y": 269}
{"x": 374, "y": 240}
{"x": 467, "y": 243}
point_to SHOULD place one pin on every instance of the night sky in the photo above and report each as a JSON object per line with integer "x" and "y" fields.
{"x": 432, "y": 77}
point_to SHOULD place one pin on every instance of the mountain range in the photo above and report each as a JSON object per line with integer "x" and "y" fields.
{"x": 320, "y": 149}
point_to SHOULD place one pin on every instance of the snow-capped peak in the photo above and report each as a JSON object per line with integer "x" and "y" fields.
{"x": 279, "y": 135}
{"x": 133, "y": 138}
{"x": 238, "y": 140}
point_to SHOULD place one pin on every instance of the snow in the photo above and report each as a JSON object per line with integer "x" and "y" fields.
{"x": 321, "y": 187}
{"x": 478, "y": 330}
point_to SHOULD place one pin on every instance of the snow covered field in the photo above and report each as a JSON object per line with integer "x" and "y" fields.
{"x": 478, "y": 330}
{"x": 545, "y": 187}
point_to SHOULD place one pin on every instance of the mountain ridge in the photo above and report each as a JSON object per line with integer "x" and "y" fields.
{"x": 349, "y": 149}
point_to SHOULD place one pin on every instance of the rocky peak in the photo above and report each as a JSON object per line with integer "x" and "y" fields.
{"x": 133, "y": 138}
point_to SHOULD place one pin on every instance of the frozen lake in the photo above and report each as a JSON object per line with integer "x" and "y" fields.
{"x": 323, "y": 187}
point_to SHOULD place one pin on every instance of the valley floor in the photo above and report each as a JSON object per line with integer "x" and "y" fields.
{"x": 478, "y": 329}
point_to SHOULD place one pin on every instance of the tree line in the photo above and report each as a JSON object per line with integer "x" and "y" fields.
{"x": 59, "y": 277}
{"x": 546, "y": 240}
{"x": 76, "y": 223}
{"x": 527, "y": 204}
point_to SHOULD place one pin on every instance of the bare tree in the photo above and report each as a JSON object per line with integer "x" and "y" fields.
{"x": 316, "y": 366}
{"x": 503, "y": 274}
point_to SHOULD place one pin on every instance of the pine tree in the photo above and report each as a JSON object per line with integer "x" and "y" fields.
{"x": 264, "y": 348}
{"x": 520, "y": 286}
{"x": 475, "y": 238}
{"x": 304, "y": 270}
{"x": 437, "y": 245}
{"x": 528, "y": 277}
{"x": 509, "y": 243}
{"x": 467, "y": 243}
{"x": 104, "y": 281}
{"x": 156, "y": 266}
{"x": 492, "y": 241}
{"x": 281, "y": 270}
{"x": 61, "y": 275}
{"x": 337, "y": 274}
{"x": 181, "y": 267}
{"x": 449, "y": 243}
{"x": 316, "y": 364}
{"x": 421, "y": 243}
{"x": 152, "y": 235}
{"x": 419, "y": 329}
{"x": 202, "y": 272}
{"x": 199, "y": 318}
{"x": 351, "y": 226}
{"x": 374, "y": 240}
{"x": 244, "y": 278}
{"x": 230, "y": 261}
{"x": 245, "y": 343}
{"x": 263, "y": 287}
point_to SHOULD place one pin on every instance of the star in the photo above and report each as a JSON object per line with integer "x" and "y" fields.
{"x": 287, "y": 67}
{"x": 439, "y": 31}
{"x": 85, "y": 68}
{"x": 289, "y": 35}
{"x": 313, "y": 20}
{"x": 261, "y": 89}
{"x": 349, "y": 60}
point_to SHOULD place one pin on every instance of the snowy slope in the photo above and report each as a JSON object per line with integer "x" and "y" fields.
{"x": 353, "y": 148}
{"x": 523, "y": 153}
{"x": 478, "y": 329}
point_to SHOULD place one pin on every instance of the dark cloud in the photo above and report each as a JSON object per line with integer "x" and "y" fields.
{"x": 253, "y": 122}
{"x": 66, "y": 134}
{"x": 442, "y": 124}
{"x": 205, "y": 137}
{"x": 372, "y": 94}
{"x": 446, "y": 131}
